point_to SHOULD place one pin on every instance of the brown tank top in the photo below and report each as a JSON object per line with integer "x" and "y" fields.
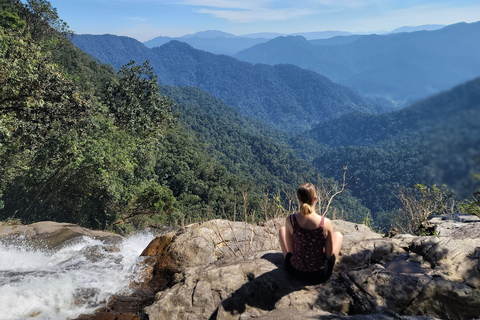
{"x": 308, "y": 246}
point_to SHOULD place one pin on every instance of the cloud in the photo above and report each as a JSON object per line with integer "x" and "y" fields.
{"x": 262, "y": 10}
{"x": 262, "y": 14}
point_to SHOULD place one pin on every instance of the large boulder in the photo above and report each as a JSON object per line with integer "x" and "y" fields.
{"x": 225, "y": 270}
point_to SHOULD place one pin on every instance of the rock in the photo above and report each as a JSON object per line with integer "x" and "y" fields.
{"x": 225, "y": 270}
{"x": 449, "y": 225}
{"x": 204, "y": 243}
{"x": 53, "y": 235}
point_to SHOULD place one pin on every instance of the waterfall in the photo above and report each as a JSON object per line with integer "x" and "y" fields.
{"x": 77, "y": 279}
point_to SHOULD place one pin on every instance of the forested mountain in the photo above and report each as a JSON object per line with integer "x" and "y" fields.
{"x": 401, "y": 66}
{"x": 434, "y": 141}
{"x": 80, "y": 143}
{"x": 285, "y": 96}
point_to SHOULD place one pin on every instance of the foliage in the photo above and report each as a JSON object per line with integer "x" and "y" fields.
{"x": 135, "y": 102}
{"x": 43, "y": 20}
{"x": 62, "y": 157}
{"x": 420, "y": 203}
{"x": 42, "y": 113}
{"x": 472, "y": 206}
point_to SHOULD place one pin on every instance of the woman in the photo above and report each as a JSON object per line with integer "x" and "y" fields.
{"x": 308, "y": 242}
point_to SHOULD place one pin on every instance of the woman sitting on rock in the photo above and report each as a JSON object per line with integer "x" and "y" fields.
{"x": 308, "y": 242}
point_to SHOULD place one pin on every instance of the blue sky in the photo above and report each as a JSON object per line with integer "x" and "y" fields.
{"x": 147, "y": 19}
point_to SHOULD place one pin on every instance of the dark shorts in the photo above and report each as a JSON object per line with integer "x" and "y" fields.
{"x": 313, "y": 277}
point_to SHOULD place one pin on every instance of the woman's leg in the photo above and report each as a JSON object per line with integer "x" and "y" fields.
{"x": 337, "y": 239}
{"x": 285, "y": 240}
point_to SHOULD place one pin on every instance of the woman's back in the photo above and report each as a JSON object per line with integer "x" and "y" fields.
{"x": 308, "y": 243}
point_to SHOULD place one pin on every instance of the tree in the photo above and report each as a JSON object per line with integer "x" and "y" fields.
{"x": 420, "y": 203}
{"x": 135, "y": 102}
{"x": 43, "y": 20}
{"x": 41, "y": 111}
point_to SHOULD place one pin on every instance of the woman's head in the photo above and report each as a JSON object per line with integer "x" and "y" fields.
{"x": 306, "y": 196}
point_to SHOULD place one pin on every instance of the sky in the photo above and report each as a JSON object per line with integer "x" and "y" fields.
{"x": 147, "y": 19}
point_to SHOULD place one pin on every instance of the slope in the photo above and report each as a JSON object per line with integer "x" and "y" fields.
{"x": 246, "y": 148}
{"x": 434, "y": 141}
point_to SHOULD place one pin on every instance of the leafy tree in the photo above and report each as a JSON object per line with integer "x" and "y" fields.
{"x": 39, "y": 107}
{"x": 135, "y": 101}
{"x": 43, "y": 20}
{"x": 420, "y": 203}
{"x": 472, "y": 206}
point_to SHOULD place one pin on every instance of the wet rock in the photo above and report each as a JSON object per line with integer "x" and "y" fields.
{"x": 53, "y": 235}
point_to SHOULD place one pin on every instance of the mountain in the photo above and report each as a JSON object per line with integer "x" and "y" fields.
{"x": 337, "y": 40}
{"x": 285, "y": 96}
{"x": 108, "y": 151}
{"x": 428, "y": 27}
{"x": 217, "y": 42}
{"x": 116, "y": 52}
{"x": 208, "y": 34}
{"x": 434, "y": 141}
{"x": 322, "y": 34}
{"x": 403, "y": 67}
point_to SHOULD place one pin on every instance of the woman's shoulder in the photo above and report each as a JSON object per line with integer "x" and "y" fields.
{"x": 327, "y": 223}
{"x": 289, "y": 218}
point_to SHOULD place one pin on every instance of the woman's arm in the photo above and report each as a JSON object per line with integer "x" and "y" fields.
{"x": 285, "y": 237}
{"x": 328, "y": 232}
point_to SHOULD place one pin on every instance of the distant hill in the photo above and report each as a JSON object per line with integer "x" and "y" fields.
{"x": 434, "y": 141}
{"x": 285, "y": 96}
{"x": 400, "y": 66}
{"x": 428, "y": 27}
{"x": 212, "y": 41}
{"x": 220, "y": 42}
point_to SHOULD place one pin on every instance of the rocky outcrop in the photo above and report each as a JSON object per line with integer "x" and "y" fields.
{"x": 226, "y": 270}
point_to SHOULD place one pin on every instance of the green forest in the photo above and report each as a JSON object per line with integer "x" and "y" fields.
{"x": 111, "y": 149}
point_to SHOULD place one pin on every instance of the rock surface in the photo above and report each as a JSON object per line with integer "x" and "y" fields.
{"x": 226, "y": 270}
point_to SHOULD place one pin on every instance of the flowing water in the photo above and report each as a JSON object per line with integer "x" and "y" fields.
{"x": 77, "y": 279}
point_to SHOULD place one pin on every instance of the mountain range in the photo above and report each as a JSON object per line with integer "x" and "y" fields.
{"x": 220, "y": 42}
{"x": 285, "y": 96}
{"x": 403, "y": 67}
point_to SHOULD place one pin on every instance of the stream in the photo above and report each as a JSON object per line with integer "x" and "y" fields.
{"x": 77, "y": 279}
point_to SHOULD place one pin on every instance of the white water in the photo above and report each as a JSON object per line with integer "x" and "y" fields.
{"x": 78, "y": 279}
